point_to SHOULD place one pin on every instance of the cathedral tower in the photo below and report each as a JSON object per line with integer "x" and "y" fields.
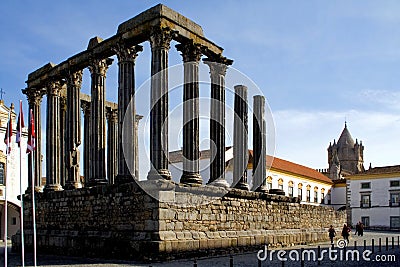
{"x": 346, "y": 156}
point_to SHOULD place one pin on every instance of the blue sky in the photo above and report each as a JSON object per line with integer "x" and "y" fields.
{"x": 317, "y": 62}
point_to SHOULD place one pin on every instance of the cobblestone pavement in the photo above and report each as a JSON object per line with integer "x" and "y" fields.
{"x": 250, "y": 258}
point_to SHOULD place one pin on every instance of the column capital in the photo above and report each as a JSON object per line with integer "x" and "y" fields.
{"x": 112, "y": 115}
{"x": 216, "y": 68}
{"x": 99, "y": 66}
{"x": 74, "y": 78}
{"x": 126, "y": 53}
{"x": 54, "y": 88}
{"x": 85, "y": 105}
{"x": 161, "y": 37}
{"x": 34, "y": 96}
{"x": 190, "y": 51}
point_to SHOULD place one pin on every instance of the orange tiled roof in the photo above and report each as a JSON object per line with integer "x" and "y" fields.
{"x": 288, "y": 166}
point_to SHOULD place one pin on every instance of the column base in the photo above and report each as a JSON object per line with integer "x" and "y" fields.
{"x": 220, "y": 182}
{"x": 52, "y": 187}
{"x": 242, "y": 186}
{"x": 124, "y": 178}
{"x": 262, "y": 189}
{"x": 159, "y": 174}
{"x": 96, "y": 182}
{"x": 72, "y": 185}
{"x": 191, "y": 178}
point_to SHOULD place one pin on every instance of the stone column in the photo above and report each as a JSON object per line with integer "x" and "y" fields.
{"x": 53, "y": 137}
{"x": 259, "y": 145}
{"x": 217, "y": 123}
{"x": 73, "y": 130}
{"x": 98, "y": 69}
{"x": 35, "y": 98}
{"x": 112, "y": 145}
{"x": 240, "y": 139}
{"x": 86, "y": 140}
{"x": 138, "y": 118}
{"x": 191, "y": 54}
{"x": 160, "y": 43}
{"x": 126, "y": 106}
{"x": 63, "y": 139}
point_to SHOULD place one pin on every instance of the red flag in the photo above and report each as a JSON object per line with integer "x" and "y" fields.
{"x": 31, "y": 134}
{"x": 20, "y": 124}
{"x": 7, "y": 137}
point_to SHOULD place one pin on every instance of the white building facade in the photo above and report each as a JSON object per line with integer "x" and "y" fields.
{"x": 10, "y": 172}
{"x": 374, "y": 197}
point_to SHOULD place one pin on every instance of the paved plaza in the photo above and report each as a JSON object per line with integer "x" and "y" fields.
{"x": 241, "y": 260}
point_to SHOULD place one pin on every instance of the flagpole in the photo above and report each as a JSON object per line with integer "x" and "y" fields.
{"x": 33, "y": 200}
{"x": 20, "y": 186}
{"x": 7, "y": 137}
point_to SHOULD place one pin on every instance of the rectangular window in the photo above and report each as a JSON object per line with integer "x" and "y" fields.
{"x": 280, "y": 186}
{"x": 394, "y": 183}
{"x": 365, "y": 221}
{"x": 394, "y": 199}
{"x": 365, "y": 185}
{"x": 315, "y": 196}
{"x": 14, "y": 221}
{"x": 290, "y": 191}
{"x": 322, "y": 198}
{"x": 329, "y": 199}
{"x": 308, "y": 195}
{"x": 365, "y": 201}
{"x": 394, "y": 221}
{"x": 300, "y": 194}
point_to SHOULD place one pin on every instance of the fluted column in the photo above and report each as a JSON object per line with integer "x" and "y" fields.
{"x": 53, "y": 137}
{"x": 126, "y": 106}
{"x": 35, "y": 98}
{"x": 112, "y": 145}
{"x": 63, "y": 139}
{"x": 191, "y": 54}
{"x": 217, "y": 123}
{"x": 138, "y": 118}
{"x": 240, "y": 138}
{"x": 98, "y": 69}
{"x": 73, "y": 130}
{"x": 160, "y": 43}
{"x": 86, "y": 140}
{"x": 259, "y": 144}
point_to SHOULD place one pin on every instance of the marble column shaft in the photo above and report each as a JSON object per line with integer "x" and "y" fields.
{"x": 259, "y": 144}
{"x": 240, "y": 138}
{"x": 137, "y": 120}
{"x": 112, "y": 145}
{"x": 160, "y": 43}
{"x": 126, "y": 107}
{"x": 73, "y": 130}
{"x": 53, "y": 138}
{"x": 86, "y": 140}
{"x": 191, "y": 54}
{"x": 35, "y": 98}
{"x": 63, "y": 140}
{"x": 98, "y": 69}
{"x": 217, "y": 123}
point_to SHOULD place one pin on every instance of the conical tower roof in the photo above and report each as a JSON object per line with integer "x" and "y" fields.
{"x": 345, "y": 138}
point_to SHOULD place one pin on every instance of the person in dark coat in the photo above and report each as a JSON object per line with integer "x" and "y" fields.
{"x": 360, "y": 229}
{"x": 346, "y": 232}
{"x": 332, "y": 233}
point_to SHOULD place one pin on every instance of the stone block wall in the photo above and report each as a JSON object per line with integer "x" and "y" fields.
{"x": 125, "y": 222}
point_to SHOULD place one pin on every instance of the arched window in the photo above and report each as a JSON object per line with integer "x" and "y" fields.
{"x": 290, "y": 188}
{"x": 322, "y": 195}
{"x": 280, "y": 183}
{"x": 316, "y": 194}
{"x": 269, "y": 182}
{"x": 300, "y": 191}
{"x": 308, "y": 196}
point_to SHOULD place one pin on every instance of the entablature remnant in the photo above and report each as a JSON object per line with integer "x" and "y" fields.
{"x": 131, "y": 32}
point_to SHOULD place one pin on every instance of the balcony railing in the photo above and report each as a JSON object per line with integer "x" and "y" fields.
{"x": 365, "y": 204}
